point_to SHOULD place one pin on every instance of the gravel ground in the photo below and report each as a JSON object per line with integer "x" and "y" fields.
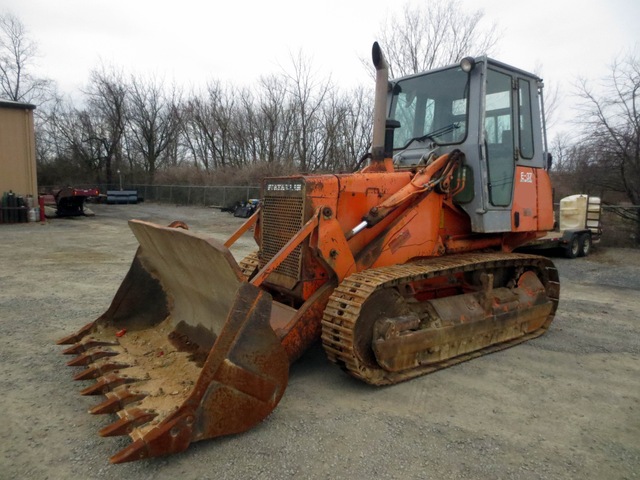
{"x": 565, "y": 405}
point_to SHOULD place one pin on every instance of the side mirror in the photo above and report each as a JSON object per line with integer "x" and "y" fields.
{"x": 390, "y": 126}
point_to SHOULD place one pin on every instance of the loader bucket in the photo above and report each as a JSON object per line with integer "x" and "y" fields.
{"x": 185, "y": 352}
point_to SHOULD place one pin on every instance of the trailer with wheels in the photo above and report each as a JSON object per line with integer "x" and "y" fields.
{"x": 70, "y": 201}
{"x": 578, "y": 227}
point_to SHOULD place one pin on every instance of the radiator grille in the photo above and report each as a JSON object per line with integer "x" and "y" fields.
{"x": 282, "y": 218}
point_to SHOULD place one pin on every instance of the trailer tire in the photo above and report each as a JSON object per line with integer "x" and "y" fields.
{"x": 585, "y": 244}
{"x": 572, "y": 250}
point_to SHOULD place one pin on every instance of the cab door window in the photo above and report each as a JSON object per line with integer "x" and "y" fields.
{"x": 525, "y": 119}
{"x": 499, "y": 137}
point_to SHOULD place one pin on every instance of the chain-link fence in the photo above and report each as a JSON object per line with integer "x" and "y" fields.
{"x": 617, "y": 231}
{"x": 196, "y": 195}
{"x": 218, "y": 196}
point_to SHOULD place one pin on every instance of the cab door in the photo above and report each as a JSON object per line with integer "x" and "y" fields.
{"x": 524, "y": 214}
{"x": 510, "y": 203}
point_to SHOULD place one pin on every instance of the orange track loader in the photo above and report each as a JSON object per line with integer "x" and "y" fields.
{"x": 401, "y": 268}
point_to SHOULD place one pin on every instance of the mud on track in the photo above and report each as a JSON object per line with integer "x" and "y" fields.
{"x": 566, "y": 405}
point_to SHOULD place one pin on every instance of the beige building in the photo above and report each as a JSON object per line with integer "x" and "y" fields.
{"x": 17, "y": 149}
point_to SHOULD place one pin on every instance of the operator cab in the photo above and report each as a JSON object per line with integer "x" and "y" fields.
{"x": 488, "y": 110}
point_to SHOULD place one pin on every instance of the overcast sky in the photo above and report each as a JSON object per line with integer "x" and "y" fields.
{"x": 190, "y": 41}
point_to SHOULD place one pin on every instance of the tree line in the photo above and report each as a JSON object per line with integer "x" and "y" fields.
{"x": 144, "y": 126}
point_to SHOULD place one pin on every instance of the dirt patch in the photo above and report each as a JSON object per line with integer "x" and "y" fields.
{"x": 162, "y": 374}
{"x": 565, "y": 405}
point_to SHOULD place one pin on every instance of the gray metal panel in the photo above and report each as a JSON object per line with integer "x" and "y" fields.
{"x": 495, "y": 221}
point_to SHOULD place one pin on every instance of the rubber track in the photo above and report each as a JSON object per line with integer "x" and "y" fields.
{"x": 343, "y": 310}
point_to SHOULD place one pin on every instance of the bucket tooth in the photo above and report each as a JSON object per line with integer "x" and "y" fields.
{"x": 90, "y": 357}
{"x": 137, "y": 450}
{"x": 116, "y": 401}
{"x": 77, "y": 336}
{"x": 85, "y": 345}
{"x": 106, "y": 383}
{"x": 170, "y": 437}
{"x": 96, "y": 371}
{"x": 129, "y": 420}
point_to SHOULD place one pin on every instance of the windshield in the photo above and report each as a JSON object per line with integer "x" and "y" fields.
{"x": 432, "y": 105}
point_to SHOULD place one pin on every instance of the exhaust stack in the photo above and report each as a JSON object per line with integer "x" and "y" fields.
{"x": 380, "y": 105}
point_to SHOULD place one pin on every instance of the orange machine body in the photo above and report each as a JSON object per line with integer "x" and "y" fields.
{"x": 428, "y": 226}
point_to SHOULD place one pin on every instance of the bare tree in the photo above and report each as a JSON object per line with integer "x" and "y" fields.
{"x": 106, "y": 100}
{"x": 357, "y": 126}
{"x": 75, "y": 136}
{"x": 276, "y": 119}
{"x": 611, "y": 124}
{"x": 89, "y": 137}
{"x": 246, "y": 129}
{"x": 222, "y": 104}
{"x": 345, "y": 130}
{"x": 560, "y": 148}
{"x": 208, "y": 125}
{"x": 153, "y": 122}
{"x": 198, "y": 131}
{"x": 17, "y": 55}
{"x": 306, "y": 94}
{"x": 434, "y": 34}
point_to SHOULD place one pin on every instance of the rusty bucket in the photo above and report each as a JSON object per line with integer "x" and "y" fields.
{"x": 185, "y": 352}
